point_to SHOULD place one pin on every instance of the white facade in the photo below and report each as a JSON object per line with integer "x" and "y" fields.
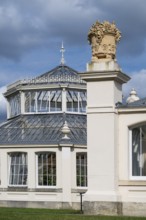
{"x": 116, "y": 146}
{"x": 115, "y": 153}
{"x": 64, "y": 194}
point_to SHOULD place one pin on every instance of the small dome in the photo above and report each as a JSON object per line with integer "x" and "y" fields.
{"x": 133, "y": 97}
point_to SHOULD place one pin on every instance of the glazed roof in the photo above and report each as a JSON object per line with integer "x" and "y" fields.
{"x": 61, "y": 74}
{"x": 43, "y": 129}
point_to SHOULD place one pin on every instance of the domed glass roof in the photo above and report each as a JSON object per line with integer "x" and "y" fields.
{"x": 43, "y": 129}
{"x": 60, "y": 74}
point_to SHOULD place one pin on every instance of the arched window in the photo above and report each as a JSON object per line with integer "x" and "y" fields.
{"x": 139, "y": 151}
{"x": 17, "y": 169}
{"x": 46, "y": 169}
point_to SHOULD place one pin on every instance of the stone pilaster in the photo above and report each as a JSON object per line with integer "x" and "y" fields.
{"x": 104, "y": 89}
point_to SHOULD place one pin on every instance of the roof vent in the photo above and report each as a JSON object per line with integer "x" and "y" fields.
{"x": 65, "y": 130}
{"x": 133, "y": 97}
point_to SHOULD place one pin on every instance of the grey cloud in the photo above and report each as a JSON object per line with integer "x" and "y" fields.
{"x": 27, "y": 25}
{"x": 2, "y": 104}
{"x": 137, "y": 82}
{"x": 130, "y": 17}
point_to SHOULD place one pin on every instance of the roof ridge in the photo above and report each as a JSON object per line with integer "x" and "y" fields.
{"x": 55, "y": 68}
{"x": 61, "y": 73}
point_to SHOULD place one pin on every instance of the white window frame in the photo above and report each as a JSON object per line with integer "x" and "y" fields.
{"x": 78, "y": 100}
{"x": 39, "y": 109}
{"x": 14, "y": 105}
{"x": 37, "y": 177}
{"x": 9, "y": 169}
{"x": 131, "y": 177}
{"x": 82, "y": 187}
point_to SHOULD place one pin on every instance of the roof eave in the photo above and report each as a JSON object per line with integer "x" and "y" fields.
{"x": 133, "y": 109}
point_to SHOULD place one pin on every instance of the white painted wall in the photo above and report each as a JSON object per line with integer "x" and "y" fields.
{"x": 66, "y": 176}
{"x": 130, "y": 190}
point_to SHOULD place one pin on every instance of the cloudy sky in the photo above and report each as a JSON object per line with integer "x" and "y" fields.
{"x": 31, "y": 32}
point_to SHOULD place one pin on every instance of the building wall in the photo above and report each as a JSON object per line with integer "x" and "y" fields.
{"x": 130, "y": 193}
{"x": 130, "y": 189}
{"x": 64, "y": 195}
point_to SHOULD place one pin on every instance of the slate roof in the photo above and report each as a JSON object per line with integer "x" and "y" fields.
{"x": 43, "y": 129}
{"x": 137, "y": 104}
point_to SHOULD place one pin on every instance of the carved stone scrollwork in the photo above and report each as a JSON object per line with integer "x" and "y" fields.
{"x": 103, "y": 38}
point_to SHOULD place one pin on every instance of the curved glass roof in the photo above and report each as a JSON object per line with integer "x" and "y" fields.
{"x": 45, "y": 94}
{"x": 43, "y": 129}
{"x": 61, "y": 74}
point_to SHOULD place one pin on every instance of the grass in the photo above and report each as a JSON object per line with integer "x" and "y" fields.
{"x": 51, "y": 214}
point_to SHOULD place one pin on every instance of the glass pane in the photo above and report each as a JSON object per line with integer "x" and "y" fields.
{"x": 15, "y": 103}
{"x": 40, "y": 180}
{"x": 43, "y": 101}
{"x": 81, "y": 169}
{"x": 136, "y": 152}
{"x": 139, "y": 151}
{"x": 30, "y": 101}
{"x": 144, "y": 156}
{"x": 76, "y": 101}
{"x": 18, "y": 169}
{"x": 48, "y": 169}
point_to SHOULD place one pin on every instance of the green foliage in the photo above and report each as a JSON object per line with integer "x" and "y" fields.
{"x": 52, "y": 214}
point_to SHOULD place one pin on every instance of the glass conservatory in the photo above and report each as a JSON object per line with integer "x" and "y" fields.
{"x": 43, "y": 144}
{"x": 60, "y": 90}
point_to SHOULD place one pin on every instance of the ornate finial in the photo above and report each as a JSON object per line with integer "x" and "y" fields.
{"x": 103, "y": 38}
{"x": 62, "y": 54}
{"x": 133, "y": 96}
{"x": 65, "y": 130}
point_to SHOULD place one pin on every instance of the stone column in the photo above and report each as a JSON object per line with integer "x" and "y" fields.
{"x": 32, "y": 181}
{"x": 65, "y": 145}
{"x": 66, "y": 176}
{"x": 104, "y": 89}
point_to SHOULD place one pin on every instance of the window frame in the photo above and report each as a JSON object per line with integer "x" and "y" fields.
{"x": 14, "y": 102}
{"x": 37, "y": 176}
{"x": 75, "y": 100}
{"x": 131, "y": 176}
{"x": 39, "y": 99}
{"x": 86, "y": 174}
{"x": 9, "y": 168}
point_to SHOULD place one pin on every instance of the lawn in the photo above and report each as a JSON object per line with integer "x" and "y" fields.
{"x": 46, "y": 214}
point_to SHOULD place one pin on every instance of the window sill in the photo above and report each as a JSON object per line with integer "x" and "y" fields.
{"x": 17, "y": 188}
{"x": 79, "y": 190}
{"x": 137, "y": 182}
{"x": 58, "y": 190}
{"x": 25, "y": 189}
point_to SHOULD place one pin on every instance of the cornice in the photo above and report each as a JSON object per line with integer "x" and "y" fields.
{"x": 118, "y": 76}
